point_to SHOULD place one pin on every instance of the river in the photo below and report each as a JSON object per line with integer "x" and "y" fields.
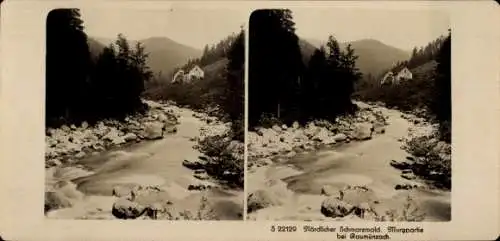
{"x": 151, "y": 163}
{"x": 363, "y": 163}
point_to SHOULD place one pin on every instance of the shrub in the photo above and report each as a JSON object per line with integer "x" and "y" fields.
{"x": 433, "y": 162}
{"x": 223, "y": 163}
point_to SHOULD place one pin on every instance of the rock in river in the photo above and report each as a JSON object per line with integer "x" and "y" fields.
{"x": 130, "y": 137}
{"x": 261, "y": 199}
{"x": 123, "y": 208}
{"x": 56, "y": 200}
{"x": 334, "y": 207}
{"x": 153, "y": 130}
{"x": 340, "y": 137}
{"x": 363, "y": 131}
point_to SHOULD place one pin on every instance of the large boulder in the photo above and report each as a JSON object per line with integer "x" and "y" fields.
{"x": 124, "y": 208}
{"x": 169, "y": 128}
{"x": 356, "y": 195}
{"x": 259, "y": 131}
{"x": 84, "y": 125}
{"x": 65, "y": 128}
{"x": 322, "y": 136}
{"x": 311, "y": 130}
{"x": 153, "y": 130}
{"x": 162, "y": 117}
{"x": 276, "y": 128}
{"x": 334, "y": 207}
{"x": 56, "y": 200}
{"x": 363, "y": 131}
{"x": 140, "y": 200}
{"x": 261, "y": 199}
{"x": 130, "y": 137}
{"x": 353, "y": 200}
{"x": 111, "y": 134}
{"x": 340, "y": 137}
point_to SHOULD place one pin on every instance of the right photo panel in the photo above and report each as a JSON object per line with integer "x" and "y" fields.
{"x": 349, "y": 115}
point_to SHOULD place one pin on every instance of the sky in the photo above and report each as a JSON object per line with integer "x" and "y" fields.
{"x": 403, "y": 29}
{"x": 196, "y": 27}
{"x": 192, "y": 27}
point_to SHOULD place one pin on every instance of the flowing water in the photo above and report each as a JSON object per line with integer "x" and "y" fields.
{"x": 357, "y": 164}
{"x": 157, "y": 163}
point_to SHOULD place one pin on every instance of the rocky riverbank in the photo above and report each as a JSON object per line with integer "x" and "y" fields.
{"x": 356, "y": 177}
{"x": 66, "y": 144}
{"x": 265, "y": 144}
{"x": 139, "y": 178}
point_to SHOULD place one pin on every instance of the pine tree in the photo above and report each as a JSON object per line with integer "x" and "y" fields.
{"x": 442, "y": 102}
{"x": 234, "y": 95}
{"x": 350, "y": 75}
{"x": 68, "y": 62}
{"x": 103, "y": 83}
{"x": 276, "y": 66}
{"x": 316, "y": 72}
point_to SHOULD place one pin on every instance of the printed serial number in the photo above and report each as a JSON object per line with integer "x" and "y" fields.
{"x": 283, "y": 228}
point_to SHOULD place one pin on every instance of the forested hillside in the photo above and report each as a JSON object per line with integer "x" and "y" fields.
{"x": 374, "y": 58}
{"x": 165, "y": 55}
{"x": 222, "y": 88}
{"x": 429, "y": 90}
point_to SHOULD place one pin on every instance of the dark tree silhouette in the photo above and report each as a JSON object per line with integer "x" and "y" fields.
{"x": 276, "y": 67}
{"x": 441, "y": 105}
{"x": 234, "y": 95}
{"x": 281, "y": 89}
{"x": 67, "y": 65}
{"x": 316, "y": 71}
{"x": 79, "y": 88}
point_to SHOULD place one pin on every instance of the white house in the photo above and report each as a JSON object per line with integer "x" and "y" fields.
{"x": 388, "y": 78}
{"x": 404, "y": 74}
{"x": 182, "y": 77}
{"x": 195, "y": 73}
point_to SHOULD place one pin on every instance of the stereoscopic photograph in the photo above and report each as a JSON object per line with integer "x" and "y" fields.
{"x": 349, "y": 115}
{"x": 144, "y": 113}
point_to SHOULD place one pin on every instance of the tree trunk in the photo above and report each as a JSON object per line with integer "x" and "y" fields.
{"x": 279, "y": 111}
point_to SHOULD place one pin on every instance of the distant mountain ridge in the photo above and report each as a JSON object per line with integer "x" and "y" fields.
{"x": 164, "y": 54}
{"x": 374, "y": 56}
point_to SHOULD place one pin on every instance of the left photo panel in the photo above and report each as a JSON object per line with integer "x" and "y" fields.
{"x": 144, "y": 113}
